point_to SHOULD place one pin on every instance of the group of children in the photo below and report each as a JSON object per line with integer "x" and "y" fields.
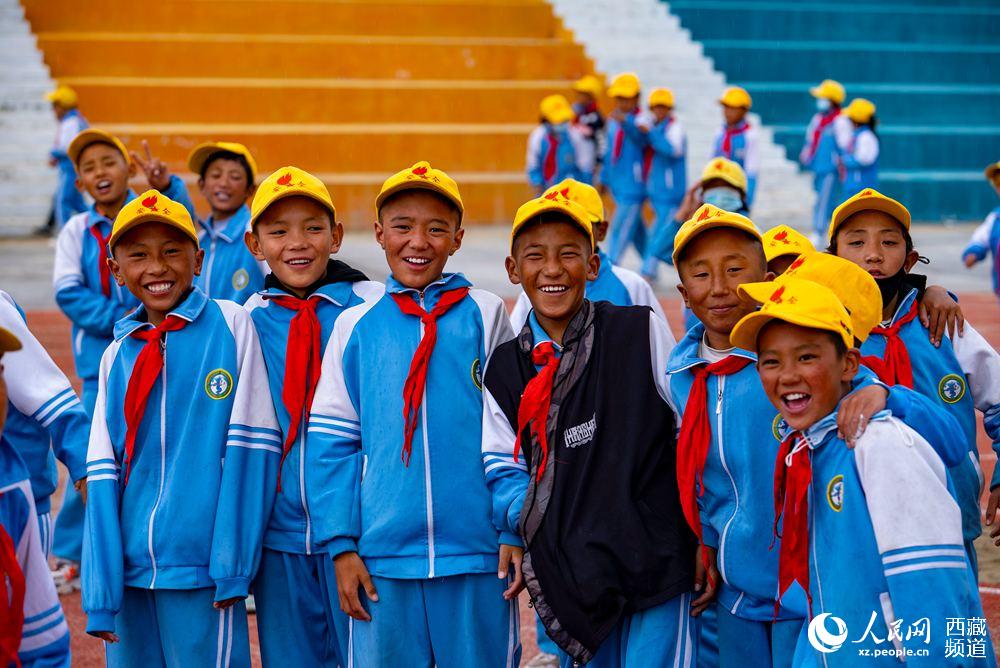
{"x": 743, "y": 495}
{"x": 643, "y": 156}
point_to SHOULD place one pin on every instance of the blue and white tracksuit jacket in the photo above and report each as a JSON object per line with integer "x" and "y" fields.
{"x": 666, "y": 182}
{"x": 744, "y": 150}
{"x": 77, "y": 284}
{"x": 229, "y": 271}
{"x": 960, "y": 376}
{"x": 737, "y": 508}
{"x": 574, "y": 155}
{"x": 403, "y": 520}
{"x": 877, "y": 557}
{"x": 624, "y": 175}
{"x": 45, "y": 419}
{"x": 860, "y": 159}
{"x": 208, "y": 447}
{"x": 290, "y": 528}
{"x": 44, "y": 635}
{"x": 620, "y": 286}
{"x": 985, "y": 241}
{"x": 68, "y": 200}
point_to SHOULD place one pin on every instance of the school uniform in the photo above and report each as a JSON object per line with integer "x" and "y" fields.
{"x": 557, "y": 152}
{"x": 228, "y": 271}
{"x": 736, "y": 509}
{"x": 623, "y": 172}
{"x": 860, "y": 159}
{"x": 388, "y": 486}
{"x": 298, "y": 611}
{"x": 960, "y": 376}
{"x": 620, "y": 286}
{"x": 35, "y": 631}
{"x": 68, "y": 200}
{"x": 590, "y": 121}
{"x": 741, "y": 144}
{"x": 873, "y": 557}
{"x": 986, "y": 240}
{"x": 87, "y": 293}
{"x": 610, "y": 575}
{"x": 45, "y": 420}
{"x": 666, "y": 184}
{"x": 207, "y": 446}
{"x": 826, "y": 134}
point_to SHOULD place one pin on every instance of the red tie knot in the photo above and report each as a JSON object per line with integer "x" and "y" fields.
{"x": 543, "y": 353}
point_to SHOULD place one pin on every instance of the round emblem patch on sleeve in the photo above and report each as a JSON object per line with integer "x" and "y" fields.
{"x": 218, "y": 384}
{"x": 240, "y": 279}
{"x": 477, "y": 374}
{"x": 835, "y": 492}
{"x": 951, "y": 389}
{"x": 777, "y": 427}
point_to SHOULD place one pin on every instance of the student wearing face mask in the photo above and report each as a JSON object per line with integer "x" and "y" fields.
{"x": 827, "y": 135}
{"x": 723, "y": 184}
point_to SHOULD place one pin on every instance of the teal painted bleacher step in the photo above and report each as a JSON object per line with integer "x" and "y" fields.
{"x": 932, "y": 68}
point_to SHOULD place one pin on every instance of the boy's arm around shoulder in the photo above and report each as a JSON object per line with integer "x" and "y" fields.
{"x": 250, "y": 473}
{"x": 103, "y": 570}
{"x": 89, "y": 309}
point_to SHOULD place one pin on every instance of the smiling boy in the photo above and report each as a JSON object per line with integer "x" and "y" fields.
{"x": 578, "y": 453}
{"x": 294, "y": 229}
{"x": 393, "y": 450}
{"x": 844, "y": 537}
{"x": 163, "y": 586}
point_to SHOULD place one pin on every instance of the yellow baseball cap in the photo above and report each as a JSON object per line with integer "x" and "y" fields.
{"x": 868, "y": 200}
{"x": 152, "y": 207}
{"x": 734, "y": 96}
{"x": 661, "y": 97}
{"x": 589, "y": 84}
{"x": 8, "y": 341}
{"x": 859, "y": 110}
{"x": 854, "y": 287}
{"x": 583, "y": 194}
{"x": 992, "y": 171}
{"x": 624, "y": 85}
{"x": 829, "y": 89}
{"x": 728, "y": 171}
{"x": 552, "y": 201}
{"x": 709, "y": 217}
{"x": 95, "y": 136}
{"x": 555, "y": 109}
{"x": 421, "y": 176}
{"x": 64, "y": 96}
{"x": 799, "y": 302}
{"x": 202, "y": 152}
{"x": 286, "y": 182}
{"x": 784, "y": 240}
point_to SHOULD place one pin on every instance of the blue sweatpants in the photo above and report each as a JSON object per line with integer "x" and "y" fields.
{"x": 67, "y": 201}
{"x": 449, "y": 622}
{"x": 660, "y": 246}
{"x": 299, "y": 620}
{"x": 827, "y": 187}
{"x": 664, "y": 636}
{"x": 708, "y": 637}
{"x": 67, "y": 532}
{"x": 178, "y": 627}
{"x": 744, "y": 642}
{"x": 627, "y": 228}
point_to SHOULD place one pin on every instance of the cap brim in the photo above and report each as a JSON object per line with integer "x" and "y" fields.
{"x": 585, "y": 226}
{"x": 713, "y": 225}
{"x": 92, "y": 136}
{"x": 151, "y": 218}
{"x": 293, "y": 193}
{"x": 756, "y": 292}
{"x": 419, "y": 184}
{"x": 746, "y": 331}
{"x": 8, "y": 342}
{"x": 892, "y": 208}
{"x": 992, "y": 171}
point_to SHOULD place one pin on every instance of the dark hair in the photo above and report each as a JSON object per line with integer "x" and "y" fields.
{"x": 544, "y": 218}
{"x": 838, "y": 344}
{"x": 410, "y": 191}
{"x": 757, "y": 244}
{"x": 228, "y": 155}
{"x": 907, "y": 239}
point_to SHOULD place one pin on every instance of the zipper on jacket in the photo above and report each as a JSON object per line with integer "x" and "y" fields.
{"x": 725, "y": 467}
{"x": 208, "y": 269}
{"x": 163, "y": 459}
{"x": 427, "y": 466}
{"x": 302, "y": 484}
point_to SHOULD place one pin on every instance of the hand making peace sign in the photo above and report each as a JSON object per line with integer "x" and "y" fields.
{"x": 156, "y": 171}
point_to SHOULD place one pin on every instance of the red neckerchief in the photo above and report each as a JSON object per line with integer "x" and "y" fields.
{"x": 12, "y": 608}
{"x": 550, "y": 164}
{"x": 727, "y": 138}
{"x": 102, "y": 258}
{"x": 695, "y": 437}
{"x": 825, "y": 120}
{"x": 533, "y": 411}
{"x": 894, "y": 368}
{"x": 416, "y": 379}
{"x": 792, "y": 475}
{"x": 302, "y": 365}
{"x": 147, "y": 368}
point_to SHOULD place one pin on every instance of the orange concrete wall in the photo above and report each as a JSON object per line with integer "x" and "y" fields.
{"x": 352, "y": 90}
